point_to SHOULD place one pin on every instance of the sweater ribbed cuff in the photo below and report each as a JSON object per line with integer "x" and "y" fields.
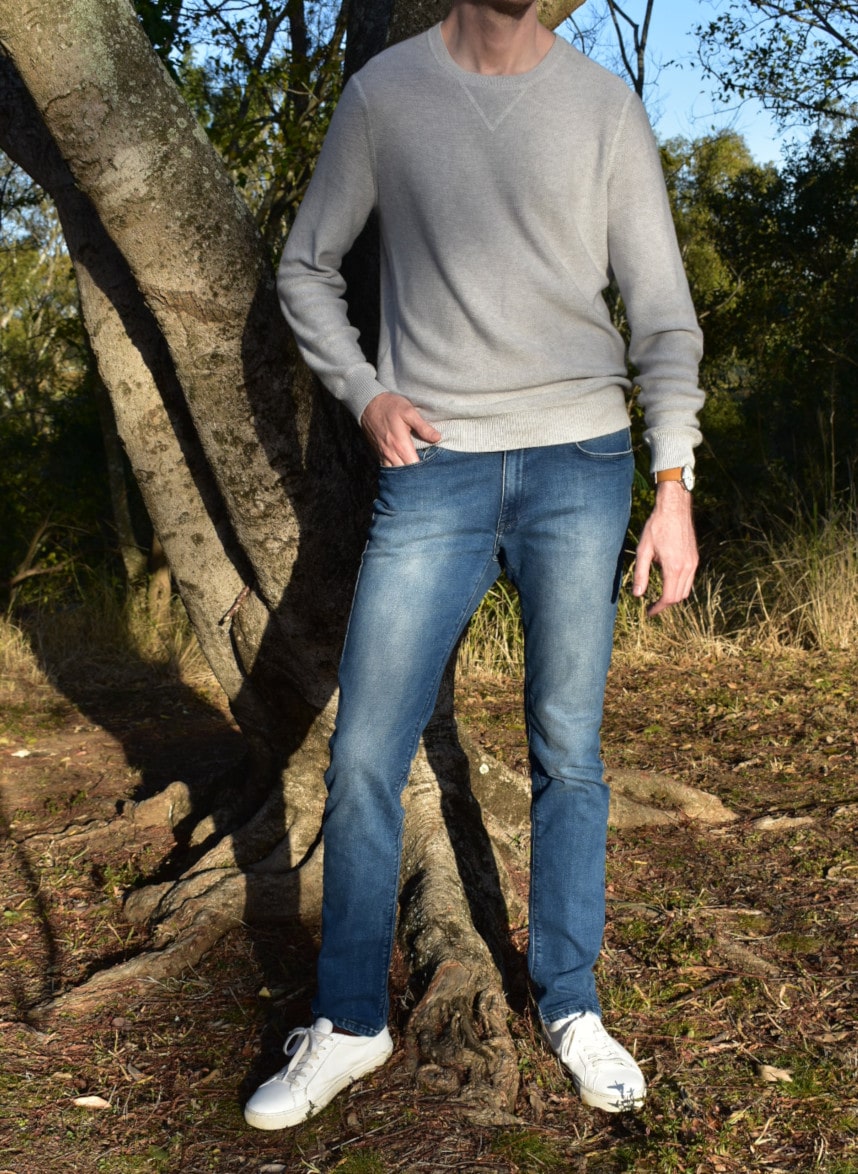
{"x": 360, "y": 389}
{"x": 671, "y": 450}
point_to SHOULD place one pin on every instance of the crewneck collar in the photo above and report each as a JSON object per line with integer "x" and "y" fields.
{"x": 491, "y": 80}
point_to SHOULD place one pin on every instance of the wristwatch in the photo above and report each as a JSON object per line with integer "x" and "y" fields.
{"x": 683, "y": 473}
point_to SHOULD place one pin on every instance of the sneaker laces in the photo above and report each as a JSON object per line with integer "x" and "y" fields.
{"x": 304, "y": 1047}
{"x": 595, "y": 1042}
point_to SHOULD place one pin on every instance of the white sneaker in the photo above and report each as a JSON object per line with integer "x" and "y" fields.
{"x": 322, "y": 1062}
{"x": 605, "y": 1075}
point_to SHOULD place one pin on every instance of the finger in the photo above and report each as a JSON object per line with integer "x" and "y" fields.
{"x": 399, "y": 449}
{"x": 659, "y": 606}
{"x": 676, "y": 587}
{"x": 686, "y": 584}
{"x": 421, "y": 427}
{"x": 668, "y": 597}
{"x": 640, "y": 581}
{"x": 682, "y": 580}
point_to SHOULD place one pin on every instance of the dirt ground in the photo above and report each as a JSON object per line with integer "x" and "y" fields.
{"x": 729, "y": 963}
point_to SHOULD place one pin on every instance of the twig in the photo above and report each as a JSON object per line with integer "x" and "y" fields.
{"x": 239, "y": 600}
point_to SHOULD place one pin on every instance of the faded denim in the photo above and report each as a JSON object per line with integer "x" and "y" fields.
{"x": 554, "y": 519}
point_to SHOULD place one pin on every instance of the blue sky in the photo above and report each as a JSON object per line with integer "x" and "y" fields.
{"x": 682, "y": 102}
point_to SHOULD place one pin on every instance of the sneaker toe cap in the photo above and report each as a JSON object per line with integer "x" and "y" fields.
{"x": 274, "y": 1106}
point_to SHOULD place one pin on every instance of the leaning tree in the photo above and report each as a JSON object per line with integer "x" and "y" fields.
{"x": 258, "y": 485}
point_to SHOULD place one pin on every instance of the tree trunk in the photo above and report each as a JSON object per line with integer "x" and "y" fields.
{"x": 130, "y": 551}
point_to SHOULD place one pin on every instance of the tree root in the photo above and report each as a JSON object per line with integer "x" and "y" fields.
{"x": 457, "y": 1038}
{"x": 458, "y": 1044}
{"x": 638, "y": 798}
{"x": 199, "y": 934}
{"x": 191, "y": 917}
{"x": 267, "y": 871}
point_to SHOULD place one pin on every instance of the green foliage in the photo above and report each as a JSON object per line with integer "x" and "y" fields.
{"x": 52, "y": 481}
{"x": 530, "y": 1151}
{"x": 162, "y": 22}
{"x": 796, "y": 320}
{"x": 263, "y": 80}
{"x": 799, "y": 58}
{"x": 773, "y": 265}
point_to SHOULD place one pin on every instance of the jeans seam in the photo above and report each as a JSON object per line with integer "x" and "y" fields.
{"x": 534, "y": 938}
{"x": 390, "y": 933}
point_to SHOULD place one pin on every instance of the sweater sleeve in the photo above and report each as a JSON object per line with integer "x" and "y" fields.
{"x": 335, "y": 208}
{"x": 666, "y": 341}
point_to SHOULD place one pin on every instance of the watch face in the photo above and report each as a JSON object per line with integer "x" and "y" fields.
{"x": 688, "y": 477}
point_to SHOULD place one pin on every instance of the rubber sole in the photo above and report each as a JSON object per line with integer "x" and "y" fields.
{"x": 608, "y": 1103}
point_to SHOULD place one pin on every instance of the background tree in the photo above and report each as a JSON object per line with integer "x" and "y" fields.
{"x": 798, "y": 237}
{"x": 51, "y": 464}
{"x": 799, "y": 58}
{"x": 620, "y": 35}
{"x": 770, "y": 254}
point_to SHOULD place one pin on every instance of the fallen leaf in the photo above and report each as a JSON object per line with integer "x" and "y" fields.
{"x": 772, "y": 1075}
{"x": 537, "y": 1104}
{"x": 832, "y": 1037}
{"x": 91, "y": 1103}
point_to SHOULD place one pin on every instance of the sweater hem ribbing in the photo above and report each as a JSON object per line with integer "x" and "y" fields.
{"x": 535, "y": 429}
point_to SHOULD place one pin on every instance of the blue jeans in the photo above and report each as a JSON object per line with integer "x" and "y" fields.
{"x": 554, "y": 519}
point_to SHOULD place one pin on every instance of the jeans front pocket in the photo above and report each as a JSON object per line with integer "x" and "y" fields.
{"x": 424, "y": 457}
{"x": 613, "y": 444}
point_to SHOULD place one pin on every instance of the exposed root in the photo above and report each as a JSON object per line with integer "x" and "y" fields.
{"x": 199, "y": 935}
{"x": 457, "y": 1037}
{"x": 638, "y": 798}
{"x": 458, "y": 1044}
{"x": 192, "y": 915}
{"x": 641, "y": 797}
{"x": 291, "y": 811}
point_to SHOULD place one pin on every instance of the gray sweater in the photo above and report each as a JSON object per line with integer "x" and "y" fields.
{"x": 506, "y": 204}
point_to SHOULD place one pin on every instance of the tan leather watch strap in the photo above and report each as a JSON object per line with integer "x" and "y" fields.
{"x": 668, "y": 475}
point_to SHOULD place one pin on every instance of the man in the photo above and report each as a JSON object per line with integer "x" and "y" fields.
{"x": 513, "y": 178}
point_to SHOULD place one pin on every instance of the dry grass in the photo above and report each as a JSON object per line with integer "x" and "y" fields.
{"x": 797, "y": 590}
{"x": 806, "y": 589}
{"x": 18, "y": 664}
{"x": 104, "y": 634}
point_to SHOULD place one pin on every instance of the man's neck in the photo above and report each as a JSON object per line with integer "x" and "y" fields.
{"x": 496, "y": 36}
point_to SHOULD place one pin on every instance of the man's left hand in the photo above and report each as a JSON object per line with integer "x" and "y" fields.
{"x": 667, "y": 540}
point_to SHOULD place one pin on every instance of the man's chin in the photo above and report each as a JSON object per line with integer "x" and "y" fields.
{"x": 509, "y": 7}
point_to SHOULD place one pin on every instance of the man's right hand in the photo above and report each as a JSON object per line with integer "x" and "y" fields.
{"x": 389, "y": 422}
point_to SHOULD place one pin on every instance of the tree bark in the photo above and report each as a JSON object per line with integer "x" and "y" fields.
{"x": 130, "y": 551}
